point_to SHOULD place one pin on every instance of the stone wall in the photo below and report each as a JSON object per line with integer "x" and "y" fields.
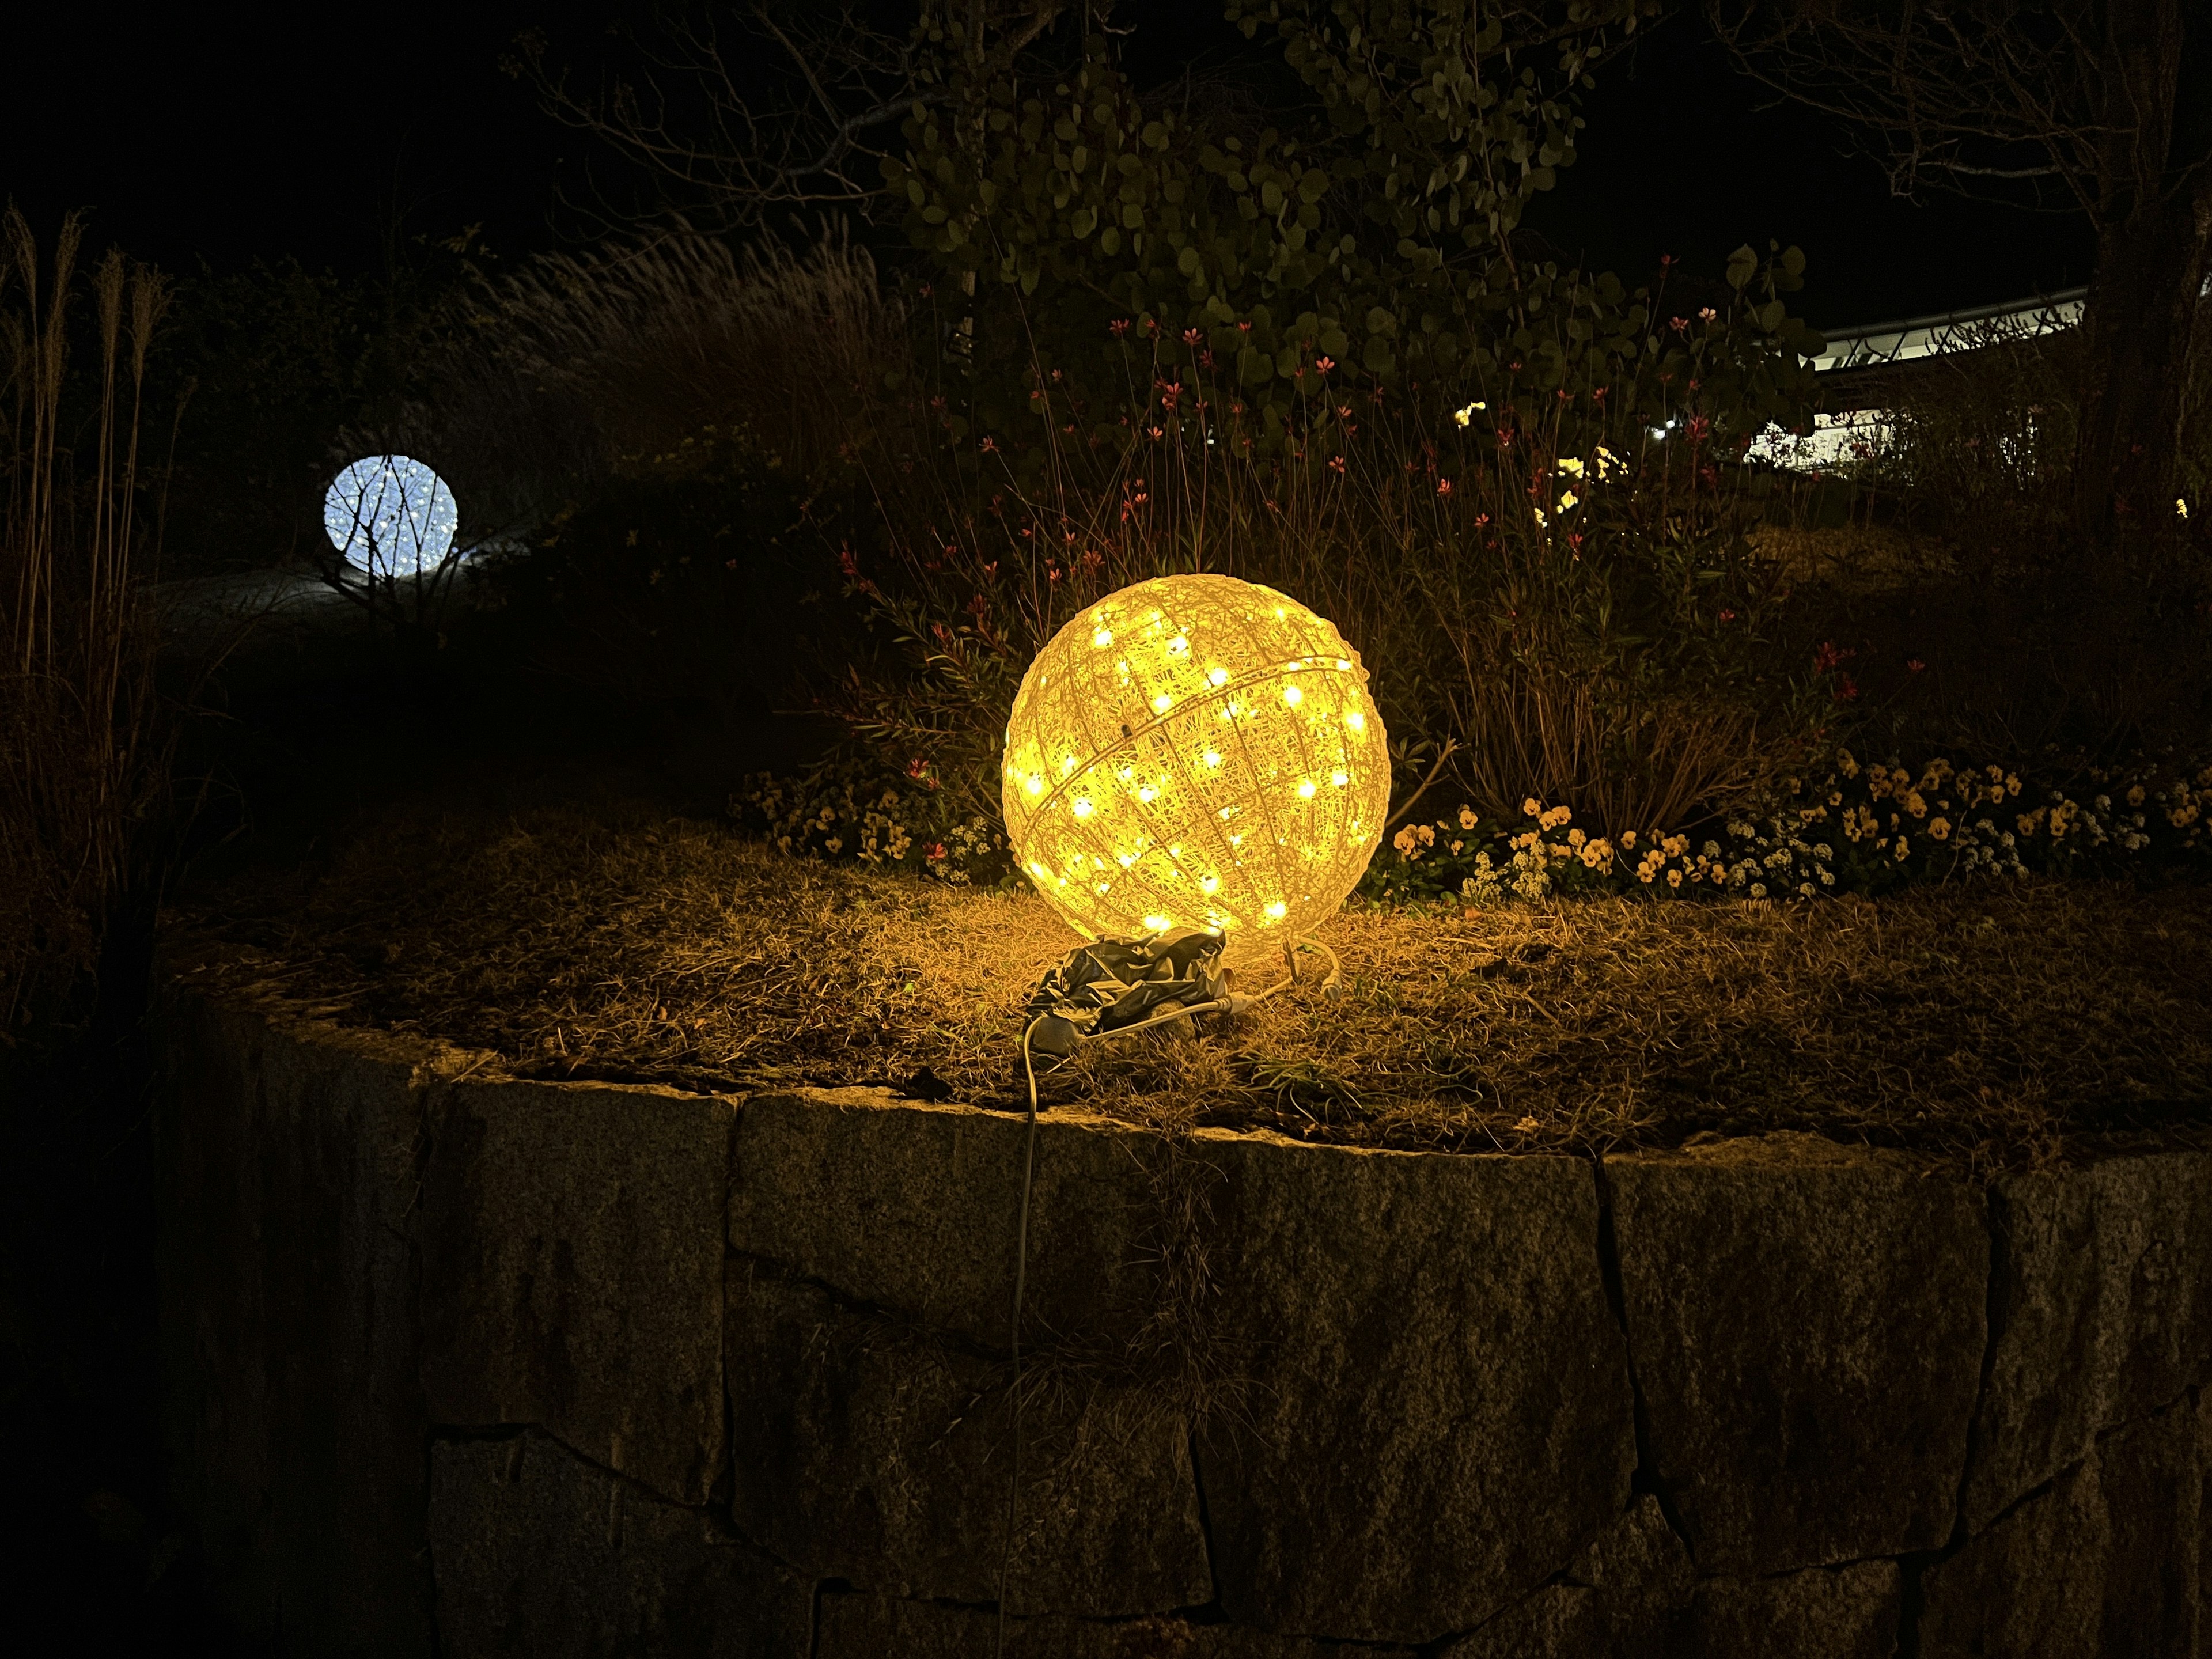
{"x": 486, "y": 1368}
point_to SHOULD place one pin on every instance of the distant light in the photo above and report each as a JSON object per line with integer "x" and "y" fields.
{"x": 390, "y": 515}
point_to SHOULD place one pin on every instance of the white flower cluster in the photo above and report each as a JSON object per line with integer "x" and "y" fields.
{"x": 1528, "y": 874}
{"x": 835, "y": 814}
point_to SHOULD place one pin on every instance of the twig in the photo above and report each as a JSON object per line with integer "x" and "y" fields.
{"x": 1444, "y": 756}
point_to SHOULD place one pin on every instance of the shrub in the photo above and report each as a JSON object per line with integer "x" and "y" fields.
{"x": 1600, "y": 623}
{"x": 1979, "y": 451}
{"x": 684, "y": 577}
{"x": 1369, "y": 223}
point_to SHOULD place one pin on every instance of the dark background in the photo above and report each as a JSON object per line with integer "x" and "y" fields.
{"x": 209, "y": 133}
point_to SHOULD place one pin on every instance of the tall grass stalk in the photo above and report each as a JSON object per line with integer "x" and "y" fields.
{"x": 83, "y": 768}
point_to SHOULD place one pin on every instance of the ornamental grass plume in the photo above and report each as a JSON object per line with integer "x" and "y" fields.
{"x": 626, "y": 350}
{"x": 83, "y": 759}
{"x": 554, "y": 385}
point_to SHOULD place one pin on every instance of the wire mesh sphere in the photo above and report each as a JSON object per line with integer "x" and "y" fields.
{"x": 390, "y": 515}
{"x": 1195, "y": 751}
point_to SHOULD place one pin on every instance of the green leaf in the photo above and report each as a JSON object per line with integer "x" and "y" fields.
{"x": 1742, "y": 266}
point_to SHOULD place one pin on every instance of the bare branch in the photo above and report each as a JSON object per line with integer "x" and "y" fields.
{"x": 790, "y": 116}
{"x": 1979, "y": 90}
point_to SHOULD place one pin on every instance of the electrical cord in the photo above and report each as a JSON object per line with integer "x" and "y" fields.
{"x": 1233, "y": 1003}
{"x": 1014, "y": 1328}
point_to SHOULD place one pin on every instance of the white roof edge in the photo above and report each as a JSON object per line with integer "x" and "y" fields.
{"x": 1927, "y": 336}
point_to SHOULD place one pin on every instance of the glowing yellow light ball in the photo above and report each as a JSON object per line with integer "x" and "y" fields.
{"x": 1195, "y": 751}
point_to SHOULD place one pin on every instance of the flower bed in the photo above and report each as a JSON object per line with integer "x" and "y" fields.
{"x": 1839, "y": 827}
{"x": 1842, "y": 827}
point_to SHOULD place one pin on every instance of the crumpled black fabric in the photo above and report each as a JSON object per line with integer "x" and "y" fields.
{"x": 1115, "y": 982}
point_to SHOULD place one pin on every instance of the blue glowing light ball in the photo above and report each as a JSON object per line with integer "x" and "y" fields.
{"x": 390, "y": 515}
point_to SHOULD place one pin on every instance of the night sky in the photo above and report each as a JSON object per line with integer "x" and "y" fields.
{"x": 202, "y": 133}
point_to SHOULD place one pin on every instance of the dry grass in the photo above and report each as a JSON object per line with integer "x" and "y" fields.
{"x": 2000, "y": 1025}
{"x": 83, "y": 769}
{"x": 624, "y": 352}
{"x": 1854, "y": 558}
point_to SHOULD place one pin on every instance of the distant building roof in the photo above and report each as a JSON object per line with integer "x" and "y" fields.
{"x": 1879, "y": 343}
{"x": 1855, "y": 421}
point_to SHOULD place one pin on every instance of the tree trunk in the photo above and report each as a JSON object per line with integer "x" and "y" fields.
{"x": 2154, "y": 229}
